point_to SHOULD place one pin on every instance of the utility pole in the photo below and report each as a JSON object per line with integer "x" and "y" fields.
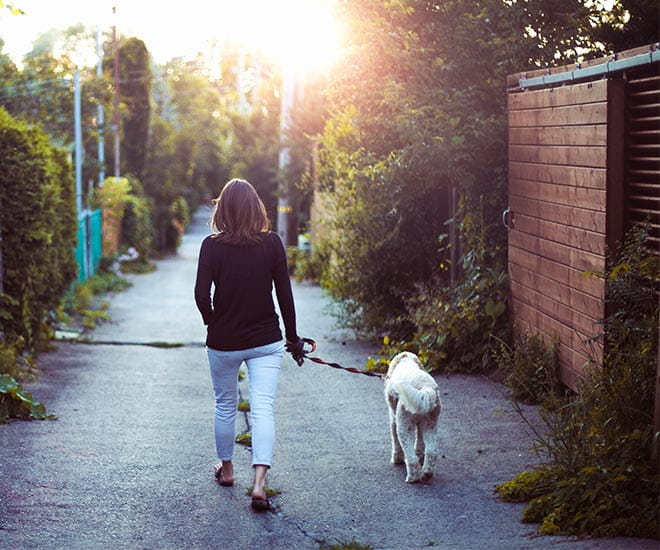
{"x": 116, "y": 94}
{"x": 283, "y": 206}
{"x": 100, "y": 112}
{"x": 78, "y": 139}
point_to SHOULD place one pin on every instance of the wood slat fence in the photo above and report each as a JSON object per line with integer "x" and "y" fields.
{"x": 584, "y": 164}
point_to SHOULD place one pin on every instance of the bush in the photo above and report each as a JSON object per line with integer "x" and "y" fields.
{"x": 137, "y": 228}
{"x": 455, "y": 327}
{"x": 37, "y": 203}
{"x": 179, "y": 219}
{"x": 304, "y": 265}
{"x": 125, "y": 204}
{"x": 599, "y": 478}
{"x": 531, "y": 369}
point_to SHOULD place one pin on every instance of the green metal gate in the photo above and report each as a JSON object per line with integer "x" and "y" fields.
{"x": 90, "y": 243}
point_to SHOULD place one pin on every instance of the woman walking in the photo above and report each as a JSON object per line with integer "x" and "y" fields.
{"x": 242, "y": 259}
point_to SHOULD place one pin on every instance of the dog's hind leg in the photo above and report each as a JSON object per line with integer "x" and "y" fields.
{"x": 405, "y": 429}
{"x": 429, "y": 432}
{"x": 397, "y": 451}
{"x": 419, "y": 443}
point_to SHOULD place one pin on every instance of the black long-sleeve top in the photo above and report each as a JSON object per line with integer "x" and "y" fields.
{"x": 242, "y": 314}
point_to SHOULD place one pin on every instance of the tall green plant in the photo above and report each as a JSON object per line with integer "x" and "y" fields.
{"x": 598, "y": 477}
{"x": 37, "y": 219}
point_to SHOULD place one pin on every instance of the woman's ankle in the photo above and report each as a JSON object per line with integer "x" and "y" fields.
{"x": 259, "y": 485}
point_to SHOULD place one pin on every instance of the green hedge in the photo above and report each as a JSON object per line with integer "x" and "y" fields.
{"x": 38, "y": 223}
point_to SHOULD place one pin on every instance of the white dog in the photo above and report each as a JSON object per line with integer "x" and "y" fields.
{"x": 414, "y": 406}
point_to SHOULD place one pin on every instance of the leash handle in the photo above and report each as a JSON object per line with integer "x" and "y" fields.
{"x": 311, "y": 342}
{"x": 300, "y": 355}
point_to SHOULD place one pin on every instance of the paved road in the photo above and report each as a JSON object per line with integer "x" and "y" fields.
{"x": 128, "y": 463}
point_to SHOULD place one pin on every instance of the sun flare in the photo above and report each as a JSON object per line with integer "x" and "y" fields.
{"x": 303, "y": 35}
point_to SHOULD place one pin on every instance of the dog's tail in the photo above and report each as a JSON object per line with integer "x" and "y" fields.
{"x": 417, "y": 401}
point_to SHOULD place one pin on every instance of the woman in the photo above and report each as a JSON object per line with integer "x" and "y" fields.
{"x": 243, "y": 259}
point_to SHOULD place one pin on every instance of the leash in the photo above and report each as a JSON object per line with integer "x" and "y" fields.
{"x": 333, "y": 365}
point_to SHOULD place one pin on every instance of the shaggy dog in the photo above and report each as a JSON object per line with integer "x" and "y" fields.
{"x": 414, "y": 405}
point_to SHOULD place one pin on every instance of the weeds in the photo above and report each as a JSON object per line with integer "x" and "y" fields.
{"x": 531, "y": 369}
{"x": 80, "y": 305}
{"x": 269, "y": 492}
{"x": 15, "y": 402}
{"x": 599, "y": 478}
{"x": 244, "y": 438}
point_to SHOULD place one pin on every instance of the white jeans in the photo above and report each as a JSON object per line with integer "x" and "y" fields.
{"x": 263, "y": 365}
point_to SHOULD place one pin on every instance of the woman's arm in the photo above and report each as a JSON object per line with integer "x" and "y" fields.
{"x": 203, "y": 283}
{"x": 284, "y": 292}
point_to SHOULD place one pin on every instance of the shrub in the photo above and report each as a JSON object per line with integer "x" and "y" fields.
{"x": 304, "y": 265}
{"x": 37, "y": 204}
{"x": 455, "y": 327}
{"x": 126, "y": 206}
{"x": 531, "y": 368}
{"x": 179, "y": 219}
{"x": 599, "y": 478}
{"x": 137, "y": 229}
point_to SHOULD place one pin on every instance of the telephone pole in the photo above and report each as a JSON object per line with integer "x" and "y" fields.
{"x": 283, "y": 206}
{"x": 77, "y": 126}
{"x": 116, "y": 94}
{"x": 100, "y": 117}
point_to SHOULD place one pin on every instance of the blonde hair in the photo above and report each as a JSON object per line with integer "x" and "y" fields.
{"x": 239, "y": 215}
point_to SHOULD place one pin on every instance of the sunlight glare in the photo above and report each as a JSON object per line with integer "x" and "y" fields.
{"x": 303, "y": 35}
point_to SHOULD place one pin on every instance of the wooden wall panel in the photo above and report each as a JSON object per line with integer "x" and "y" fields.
{"x": 590, "y": 220}
{"x": 589, "y": 284}
{"x": 577, "y": 176}
{"x": 590, "y": 135}
{"x": 591, "y": 113}
{"x": 590, "y": 92}
{"x": 584, "y": 198}
{"x": 559, "y": 154}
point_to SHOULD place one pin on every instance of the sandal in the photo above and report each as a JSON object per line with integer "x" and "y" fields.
{"x": 262, "y": 504}
{"x": 218, "y": 476}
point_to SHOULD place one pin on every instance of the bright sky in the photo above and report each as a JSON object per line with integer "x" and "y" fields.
{"x": 304, "y": 32}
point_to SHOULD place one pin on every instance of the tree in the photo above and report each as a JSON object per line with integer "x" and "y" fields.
{"x": 418, "y": 110}
{"x": 641, "y": 26}
{"x": 135, "y": 93}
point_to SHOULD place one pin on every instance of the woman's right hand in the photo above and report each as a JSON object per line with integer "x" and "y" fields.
{"x": 297, "y": 349}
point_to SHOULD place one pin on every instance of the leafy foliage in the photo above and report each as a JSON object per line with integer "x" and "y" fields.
{"x": 80, "y": 306}
{"x": 417, "y": 114}
{"x": 409, "y": 124}
{"x": 599, "y": 478}
{"x": 186, "y": 157}
{"x": 304, "y": 265}
{"x": 531, "y": 368}
{"x": 37, "y": 220}
{"x": 125, "y": 204}
{"x": 135, "y": 76}
{"x": 15, "y": 402}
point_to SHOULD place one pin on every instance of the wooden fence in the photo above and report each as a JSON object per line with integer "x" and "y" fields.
{"x": 571, "y": 164}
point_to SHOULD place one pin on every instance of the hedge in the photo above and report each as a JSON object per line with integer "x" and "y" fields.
{"x": 38, "y": 224}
